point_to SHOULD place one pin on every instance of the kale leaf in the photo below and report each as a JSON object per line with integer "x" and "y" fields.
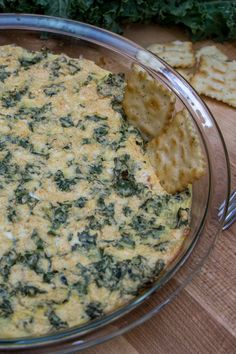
{"x": 203, "y": 18}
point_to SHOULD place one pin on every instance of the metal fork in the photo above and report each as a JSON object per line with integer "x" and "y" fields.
{"x": 230, "y": 217}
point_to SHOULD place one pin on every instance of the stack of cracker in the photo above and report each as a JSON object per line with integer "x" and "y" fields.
{"x": 209, "y": 70}
{"x": 173, "y": 146}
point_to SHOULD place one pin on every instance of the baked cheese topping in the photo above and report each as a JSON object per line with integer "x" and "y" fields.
{"x": 84, "y": 221}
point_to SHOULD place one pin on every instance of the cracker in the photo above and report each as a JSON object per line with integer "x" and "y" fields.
{"x": 178, "y": 54}
{"x": 217, "y": 79}
{"x": 212, "y": 51}
{"x": 176, "y": 155}
{"x": 147, "y": 103}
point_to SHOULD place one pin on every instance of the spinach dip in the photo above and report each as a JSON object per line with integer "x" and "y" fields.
{"x": 84, "y": 221}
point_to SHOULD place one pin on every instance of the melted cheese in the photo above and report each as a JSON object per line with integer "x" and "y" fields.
{"x": 84, "y": 221}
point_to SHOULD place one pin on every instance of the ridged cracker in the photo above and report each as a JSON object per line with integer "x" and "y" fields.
{"x": 211, "y": 51}
{"x": 147, "y": 103}
{"x": 178, "y": 54}
{"x": 217, "y": 79}
{"x": 176, "y": 155}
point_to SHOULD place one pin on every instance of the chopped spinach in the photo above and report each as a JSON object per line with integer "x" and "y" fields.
{"x": 124, "y": 181}
{"x": 11, "y": 214}
{"x": 80, "y": 124}
{"x": 31, "y": 59}
{"x": 86, "y": 141}
{"x": 182, "y": 195}
{"x": 94, "y": 310}
{"x": 37, "y": 240}
{"x": 29, "y": 172}
{"x": 23, "y": 142}
{"x": 55, "y": 67}
{"x": 106, "y": 210}
{"x": 162, "y": 246}
{"x": 60, "y": 214}
{"x": 41, "y": 153}
{"x": 86, "y": 239}
{"x": 67, "y": 122}
{"x": 127, "y": 211}
{"x": 139, "y": 269}
{"x": 3, "y": 142}
{"x": 34, "y": 114}
{"x": 182, "y": 217}
{"x": 10, "y": 98}
{"x": 8, "y": 169}
{"x": 112, "y": 85}
{"x": 6, "y": 309}
{"x": 95, "y": 118}
{"x": 4, "y": 74}
{"x": 80, "y": 202}
{"x": 108, "y": 272}
{"x": 67, "y": 146}
{"x": 47, "y": 277}
{"x": 122, "y": 137}
{"x": 63, "y": 66}
{"x": 64, "y": 184}
{"x": 95, "y": 169}
{"x": 153, "y": 205}
{"x": 88, "y": 80}
{"x": 53, "y": 89}
{"x": 125, "y": 242}
{"x": 94, "y": 223}
{"x": 55, "y": 320}
{"x": 146, "y": 228}
{"x": 99, "y": 134}
{"x": 30, "y": 259}
{"x": 29, "y": 290}
{"x": 72, "y": 66}
{"x": 81, "y": 286}
{"x": 6, "y": 263}
{"x": 23, "y": 196}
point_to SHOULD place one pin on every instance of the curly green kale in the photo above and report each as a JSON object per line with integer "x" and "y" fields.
{"x": 204, "y": 19}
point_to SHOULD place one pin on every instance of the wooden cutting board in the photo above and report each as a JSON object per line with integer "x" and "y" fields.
{"x": 202, "y": 319}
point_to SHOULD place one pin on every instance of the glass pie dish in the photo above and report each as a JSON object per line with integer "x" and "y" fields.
{"x": 117, "y": 54}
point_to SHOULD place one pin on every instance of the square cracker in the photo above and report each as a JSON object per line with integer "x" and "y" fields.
{"x": 147, "y": 103}
{"x": 211, "y": 51}
{"x": 178, "y": 54}
{"x": 217, "y": 79}
{"x": 176, "y": 155}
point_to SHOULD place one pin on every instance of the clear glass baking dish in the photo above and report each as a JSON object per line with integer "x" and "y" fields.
{"x": 117, "y": 54}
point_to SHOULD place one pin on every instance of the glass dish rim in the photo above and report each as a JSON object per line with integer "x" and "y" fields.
{"x": 47, "y": 339}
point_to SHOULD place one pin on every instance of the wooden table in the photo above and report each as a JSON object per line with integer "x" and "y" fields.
{"x": 202, "y": 319}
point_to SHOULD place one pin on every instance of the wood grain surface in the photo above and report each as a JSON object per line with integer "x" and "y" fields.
{"x": 202, "y": 319}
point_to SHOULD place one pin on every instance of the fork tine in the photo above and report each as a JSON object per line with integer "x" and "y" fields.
{"x": 230, "y": 213}
{"x": 221, "y": 208}
{"x": 230, "y": 219}
{"x": 231, "y": 206}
